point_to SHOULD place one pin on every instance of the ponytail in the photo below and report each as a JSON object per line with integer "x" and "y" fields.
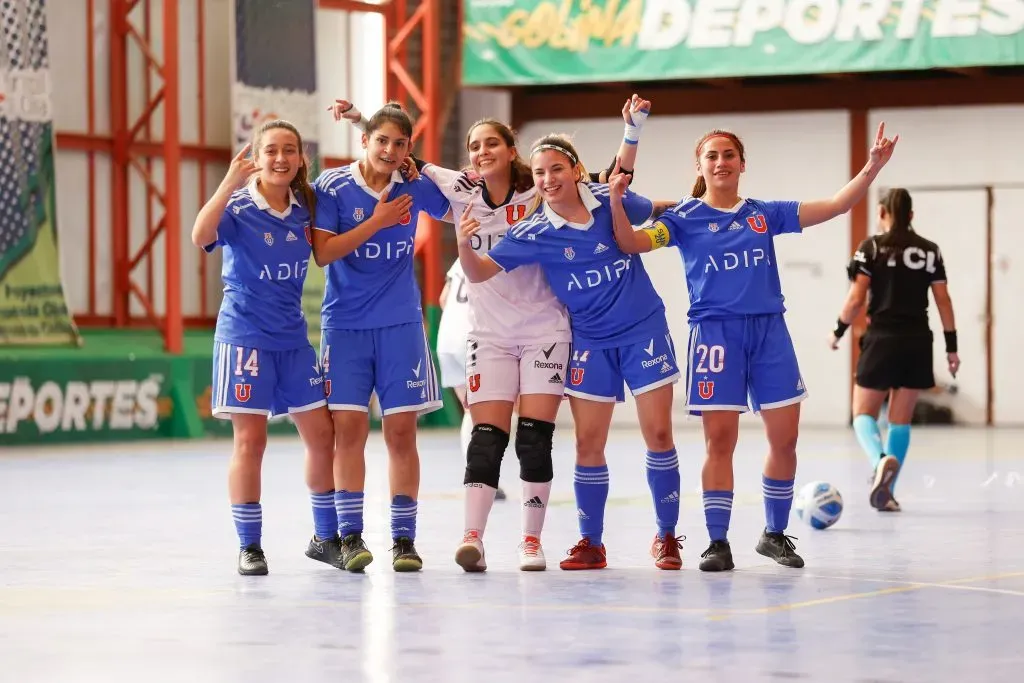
{"x": 898, "y": 205}
{"x": 699, "y": 187}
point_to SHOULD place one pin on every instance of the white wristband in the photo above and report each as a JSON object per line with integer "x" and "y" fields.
{"x": 632, "y": 134}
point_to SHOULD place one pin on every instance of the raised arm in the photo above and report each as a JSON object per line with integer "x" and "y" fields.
{"x": 634, "y": 114}
{"x": 328, "y": 247}
{"x": 822, "y": 210}
{"x": 204, "y": 230}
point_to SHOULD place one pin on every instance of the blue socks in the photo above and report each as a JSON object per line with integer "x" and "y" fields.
{"x": 663, "y": 479}
{"x": 717, "y": 512}
{"x": 778, "y": 500}
{"x": 897, "y": 443}
{"x": 591, "y": 487}
{"x": 325, "y": 518}
{"x": 403, "y": 517}
{"x": 248, "y": 523}
{"x": 870, "y": 438}
{"x": 348, "y": 506}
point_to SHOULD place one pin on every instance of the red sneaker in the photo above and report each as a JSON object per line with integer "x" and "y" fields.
{"x": 665, "y": 551}
{"x": 585, "y": 556}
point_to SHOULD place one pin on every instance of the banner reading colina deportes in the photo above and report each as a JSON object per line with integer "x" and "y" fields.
{"x": 33, "y": 310}
{"x": 279, "y": 84}
{"x": 509, "y": 42}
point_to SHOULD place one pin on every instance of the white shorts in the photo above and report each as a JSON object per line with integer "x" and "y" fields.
{"x": 453, "y": 369}
{"x": 496, "y": 372}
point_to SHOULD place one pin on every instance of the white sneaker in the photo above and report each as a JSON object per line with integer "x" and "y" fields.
{"x": 470, "y": 554}
{"x": 531, "y": 555}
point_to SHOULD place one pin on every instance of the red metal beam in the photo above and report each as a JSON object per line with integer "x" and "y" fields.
{"x": 201, "y": 118}
{"x": 173, "y": 341}
{"x": 86, "y": 142}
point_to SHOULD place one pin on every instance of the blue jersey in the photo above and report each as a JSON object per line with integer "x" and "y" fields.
{"x": 729, "y": 256}
{"x": 266, "y": 254}
{"x": 375, "y": 285}
{"x": 609, "y": 296}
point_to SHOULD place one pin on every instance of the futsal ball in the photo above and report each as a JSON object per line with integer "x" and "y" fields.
{"x": 819, "y": 504}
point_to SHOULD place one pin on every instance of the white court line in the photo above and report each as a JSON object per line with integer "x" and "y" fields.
{"x": 955, "y": 584}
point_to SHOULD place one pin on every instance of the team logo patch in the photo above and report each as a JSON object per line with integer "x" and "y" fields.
{"x": 268, "y": 238}
{"x": 514, "y": 213}
{"x": 713, "y": 227}
{"x": 474, "y": 383}
{"x": 569, "y": 253}
{"x": 406, "y": 219}
{"x": 576, "y": 376}
{"x": 358, "y": 213}
{"x": 758, "y": 223}
{"x": 243, "y": 392}
{"x": 309, "y": 234}
{"x": 705, "y": 389}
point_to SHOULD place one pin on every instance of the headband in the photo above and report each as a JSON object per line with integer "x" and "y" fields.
{"x": 557, "y": 148}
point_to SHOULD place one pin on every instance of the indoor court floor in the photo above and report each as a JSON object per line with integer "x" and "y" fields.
{"x": 117, "y": 563}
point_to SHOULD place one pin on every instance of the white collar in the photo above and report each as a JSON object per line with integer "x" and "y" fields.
{"x": 261, "y": 202}
{"x": 589, "y": 201}
{"x": 357, "y": 175}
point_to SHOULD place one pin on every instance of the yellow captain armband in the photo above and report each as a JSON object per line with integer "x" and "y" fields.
{"x": 658, "y": 234}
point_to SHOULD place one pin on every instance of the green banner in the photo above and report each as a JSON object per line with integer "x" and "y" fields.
{"x": 520, "y": 42}
{"x": 33, "y": 309}
{"x": 48, "y": 401}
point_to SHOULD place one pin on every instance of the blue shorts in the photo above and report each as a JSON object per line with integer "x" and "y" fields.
{"x": 392, "y": 362}
{"x": 250, "y": 380}
{"x": 742, "y": 364}
{"x": 599, "y": 374}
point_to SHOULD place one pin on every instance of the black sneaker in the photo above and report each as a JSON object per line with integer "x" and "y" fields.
{"x": 881, "y": 497}
{"x": 717, "y": 558}
{"x": 780, "y": 548}
{"x": 354, "y": 556}
{"x": 326, "y": 550}
{"x": 404, "y": 555}
{"x": 252, "y": 561}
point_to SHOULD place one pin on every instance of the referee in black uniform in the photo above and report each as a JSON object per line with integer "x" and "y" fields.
{"x": 892, "y": 272}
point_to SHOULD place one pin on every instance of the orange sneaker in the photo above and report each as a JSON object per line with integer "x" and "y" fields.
{"x": 665, "y": 551}
{"x": 585, "y": 556}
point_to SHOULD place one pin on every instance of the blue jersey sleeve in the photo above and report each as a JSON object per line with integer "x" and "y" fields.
{"x": 430, "y": 199}
{"x": 638, "y": 207}
{"x": 782, "y": 217}
{"x": 226, "y": 231}
{"x": 512, "y": 252}
{"x": 326, "y": 209}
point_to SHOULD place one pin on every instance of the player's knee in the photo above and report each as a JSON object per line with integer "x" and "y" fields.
{"x": 483, "y": 457}
{"x": 533, "y": 447}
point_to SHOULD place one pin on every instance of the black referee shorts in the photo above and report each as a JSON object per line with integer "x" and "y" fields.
{"x": 895, "y": 362}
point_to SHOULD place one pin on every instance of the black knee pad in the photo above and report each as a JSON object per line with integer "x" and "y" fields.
{"x": 487, "y": 445}
{"x": 533, "y": 446}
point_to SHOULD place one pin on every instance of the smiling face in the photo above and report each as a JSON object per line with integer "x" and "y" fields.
{"x": 279, "y": 157}
{"x": 386, "y": 148}
{"x": 555, "y": 176}
{"x": 720, "y": 161}
{"x": 490, "y": 153}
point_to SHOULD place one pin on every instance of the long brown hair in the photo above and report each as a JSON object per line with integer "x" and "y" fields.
{"x": 561, "y": 144}
{"x": 699, "y": 186}
{"x": 300, "y": 183}
{"x": 520, "y": 174}
{"x": 898, "y": 204}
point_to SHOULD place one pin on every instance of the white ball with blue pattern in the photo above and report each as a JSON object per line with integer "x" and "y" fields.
{"x": 819, "y": 504}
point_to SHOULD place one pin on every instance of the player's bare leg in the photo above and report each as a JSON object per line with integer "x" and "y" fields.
{"x": 721, "y": 431}
{"x": 351, "y": 429}
{"x": 404, "y": 476}
{"x": 534, "y": 431}
{"x": 782, "y": 427}
{"x": 654, "y": 412}
{"x": 244, "y": 489}
{"x": 492, "y": 422}
{"x": 590, "y": 481}
{"x": 316, "y": 429}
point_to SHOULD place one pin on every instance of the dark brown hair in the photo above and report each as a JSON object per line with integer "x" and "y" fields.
{"x": 699, "y": 186}
{"x": 897, "y": 203}
{"x": 391, "y": 112}
{"x": 521, "y": 176}
{"x": 300, "y": 183}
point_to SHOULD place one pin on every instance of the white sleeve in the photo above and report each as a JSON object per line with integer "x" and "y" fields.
{"x": 454, "y": 185}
